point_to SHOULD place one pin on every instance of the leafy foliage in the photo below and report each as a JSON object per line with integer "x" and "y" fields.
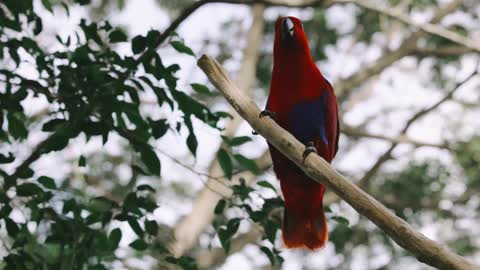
{"x": 468, "y": 156}
{"x": 419, "y": 183}
{"x": 93, "y": 91}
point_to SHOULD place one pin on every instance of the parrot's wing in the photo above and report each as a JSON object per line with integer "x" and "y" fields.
{"x": 333, "y": 117}
{"x": 309, "y": 119}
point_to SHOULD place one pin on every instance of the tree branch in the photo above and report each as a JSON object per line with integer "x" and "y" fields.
{"x": 402, "y": 138}
{"x": 36, "y": 154}
{"x": 442, "y": 51}
{"x": 343, "y": 87}
{"x": 430, "y": 28}
{"x": 401, "y": 232}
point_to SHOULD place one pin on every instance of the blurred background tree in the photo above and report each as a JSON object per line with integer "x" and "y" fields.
{"x": 117, "y": 154}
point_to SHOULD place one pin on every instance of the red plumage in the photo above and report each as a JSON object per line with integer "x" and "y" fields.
{"x": 305, "y": 105}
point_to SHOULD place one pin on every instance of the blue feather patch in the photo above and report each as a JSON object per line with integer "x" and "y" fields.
{"x": 309, "y": 119}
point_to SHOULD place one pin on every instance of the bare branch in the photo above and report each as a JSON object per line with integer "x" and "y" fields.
{"x": 402, "y": 138}
{"x": 430, "y": 28}
{"x": 443, "y": 51}
{"x": 344, "y": 87}
{"x": 426, "y": 250}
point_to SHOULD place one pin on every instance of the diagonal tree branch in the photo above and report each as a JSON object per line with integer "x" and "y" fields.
{"x": 426, "y": 250}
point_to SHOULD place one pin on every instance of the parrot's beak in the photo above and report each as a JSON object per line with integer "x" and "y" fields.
{"x": 287, "y": 29}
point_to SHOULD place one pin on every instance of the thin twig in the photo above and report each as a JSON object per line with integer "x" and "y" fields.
{"x": 430, "y": 28}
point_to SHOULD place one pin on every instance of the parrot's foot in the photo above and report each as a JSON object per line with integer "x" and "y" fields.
{"x": 267, "y": 113}
{"x": 309, "y": 148}
{"x": 263, "y": 114}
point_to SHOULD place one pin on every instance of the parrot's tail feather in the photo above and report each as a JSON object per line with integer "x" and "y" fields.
{"x": 307, "y": 232}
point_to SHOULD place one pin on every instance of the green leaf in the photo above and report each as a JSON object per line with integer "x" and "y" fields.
{"x": 271, "y": 228}
{"x": 69, "y": 205}
{"x": 159, "y": 127}
{"x": 114, "y": 238}
{"x": 225, "y": 162}
{"x": 236, "y": 141}
{"x": 151, "y": 227}
{"x": 266, "y": 184}
{"x": 242, "y": 191}
{"x": 220, "y": 206}
{"x": 153, "y": 36}
{"x": 185, "y": 262}
{"x": 7, "y": 159}
{"x": 341, "y": 220}
{"x": 28, "y": 189}
{"x": 97, "y": 267}
{"x": 225, "y": 234}
{"x": 82, "y": 161}
{"x": 12, "y": 228}
{"x": 223, "y": 115}
{"x": 117, "y": 35}
{"x": 269, "y": 254}
{"x": 52, "y": 124}
{"x": 135, "y": 226}
{"x": 83, "y": 2}
{"x": 47, "y": 5}
{"x": 25, "y": 173}
{"x": 232, "y": 225}
{"x": 145, "y": 188}
{"x": 130, "y": 204}
{"x": 247, "y": 163}
{"x": 5, "y": 211}
{"x": 200, "y": 88}
{"x": 38, "y": 26}
{"x": 149, "y": 158}
{"x": 224, "y": 237}
{"x": 16, "y": 127}
{"x": 47, "y": 182}
{"x": 101, "y": 204}
{"x": 181, "y": 47}
{"x": 138, "y": 44}
{"x": 139, "y": 244}
{"x": 192, "y": 143}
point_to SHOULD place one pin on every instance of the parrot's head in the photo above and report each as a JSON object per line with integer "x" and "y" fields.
{"x": 290, "y": 36}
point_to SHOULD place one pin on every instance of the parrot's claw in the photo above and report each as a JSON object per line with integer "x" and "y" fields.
{"x": 267, "y": 113}
{"x": 309, "y": 148}
{"x": 263, "y": 114}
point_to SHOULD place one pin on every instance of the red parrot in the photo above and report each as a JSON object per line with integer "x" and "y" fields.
{"x": 303, "y": 102}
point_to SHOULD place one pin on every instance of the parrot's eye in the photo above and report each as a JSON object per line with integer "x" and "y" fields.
{"x": 287, "y": 28}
